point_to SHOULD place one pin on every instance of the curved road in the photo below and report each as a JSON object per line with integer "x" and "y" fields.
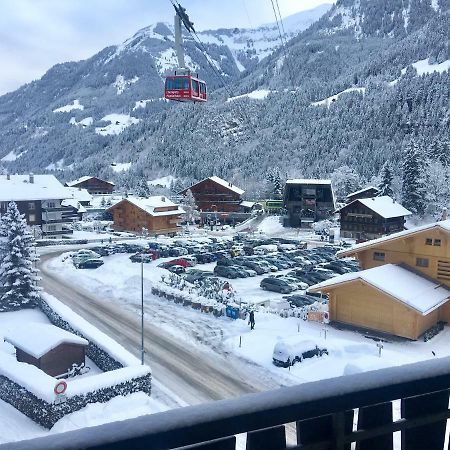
{"x": 185, "y": 373}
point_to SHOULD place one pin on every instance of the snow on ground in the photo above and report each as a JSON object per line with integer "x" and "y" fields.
{"x": 162, "y": 181}
{"x": 328, "y": 101}
{"x": 423, "y": 67}
{"x": 118, "y": 280}
{"x": 121, "y": 83}
{"x": 120, "y": 167}
{"x": 67, "y": 108}
{"x": 58, "y": 165}
{"x": 11, "y": 156}
{"x": 118, "y": 123}
{"x": 271, "y": 225}
{"x": 258, "y": 94}
{"x": 87, "y": 122}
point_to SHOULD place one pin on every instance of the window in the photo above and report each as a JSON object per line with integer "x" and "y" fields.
{"x": 31, "y": 218}
{"x": 428, "y": 241}
{"x": 378, "y": 256}
{"x": 422, "y": 262}
{"x": 437, "y": 242}
{"x": 31, "y": 206}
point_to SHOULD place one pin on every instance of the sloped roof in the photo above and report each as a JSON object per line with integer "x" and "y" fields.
{"x": 410, "y": 288}
{"x": 149, "y": 204}
{"x": 82, "y": 195}
{"x": 368, "y": 188}
{"x": 384, "y": 206}
{"x": 18, "y": 188}
{"x": 37, "y": 339}
{"x": 226, "y": 184}
{"x": 308, "y": 181}
{"x": 86, "y": 178}
{"x": 443, "y": 225}
{"x": 74, "y": 203}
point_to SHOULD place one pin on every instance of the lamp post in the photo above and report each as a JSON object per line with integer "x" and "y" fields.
{"x": 142, "y": 309}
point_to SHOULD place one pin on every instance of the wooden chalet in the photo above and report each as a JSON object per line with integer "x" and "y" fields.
{"x": 93, "y": 185}
{"x": 367, "y": 192}
{"x": 216, "y": 195}
{"x": 371, "y": 218}
{"x": 49, "y": 348}
{"x": 158, "y": 215}
{"x": 404, "y": 286}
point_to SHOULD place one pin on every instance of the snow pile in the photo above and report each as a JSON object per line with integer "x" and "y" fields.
{"x": 271, "y": 225}
{"x": 258, "y": 94}
{"x": 423, "y": 67}
{"x": 67, "y": 108}
{"x": 121, "y": 83}
{"x": 118, "y": 123}
{"x": 328, "y": 101}
{"x": 120, "y": 167}
{"x": 87, "y": 122}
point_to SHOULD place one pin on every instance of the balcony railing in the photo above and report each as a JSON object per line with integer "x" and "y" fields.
{"x": 323, "y": 413}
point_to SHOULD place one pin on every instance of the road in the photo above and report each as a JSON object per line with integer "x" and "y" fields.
{"x": 186, "y": 373}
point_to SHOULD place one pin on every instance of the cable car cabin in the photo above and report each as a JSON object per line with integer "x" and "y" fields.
{"x": 185, "y": 88}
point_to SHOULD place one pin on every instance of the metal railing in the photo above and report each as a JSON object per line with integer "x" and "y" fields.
{"x": 323, "y": 412}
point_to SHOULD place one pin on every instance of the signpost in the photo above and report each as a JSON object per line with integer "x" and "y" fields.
{"x": 59, "y": 390}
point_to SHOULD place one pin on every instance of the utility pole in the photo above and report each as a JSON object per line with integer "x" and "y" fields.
{"x": 142, "y": 309}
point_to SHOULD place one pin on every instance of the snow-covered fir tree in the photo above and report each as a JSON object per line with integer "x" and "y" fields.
{"x": 17, "y": 274}
{"x": 386, "y": 180}
{"x": 276, "y": 184}
{"x": 190, "y": 207}
{"x": 345, "y": 181}
{"x": 413, "y": 185}
{"x": 142, "y": 189}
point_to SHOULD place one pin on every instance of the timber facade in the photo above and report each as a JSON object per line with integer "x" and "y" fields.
{"x": 94, "y": 185}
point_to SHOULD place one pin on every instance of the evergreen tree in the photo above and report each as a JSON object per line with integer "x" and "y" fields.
{"x": 276, "y": 185}
{"x": 103, "y": 202}
{"x": 190, "y": 207}
{"x": 386, "y": 179}
{"x": 413, "y": 189}
{"x": 17, "y": 274}
{"x": 142, "y": 189}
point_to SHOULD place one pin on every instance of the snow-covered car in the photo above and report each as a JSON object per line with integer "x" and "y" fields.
{"x": 86, "y": 252}
{"x": 286, "y": 353}
{"x": 91, "y": 263}
{"x": 84, "y": 255}
{"x": 176, "y": 269}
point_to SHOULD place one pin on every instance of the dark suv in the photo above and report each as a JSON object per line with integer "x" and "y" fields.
{"x": 225, "y": 271}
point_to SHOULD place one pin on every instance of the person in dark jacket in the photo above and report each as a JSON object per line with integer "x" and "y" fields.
{"x": 251, "y": 320}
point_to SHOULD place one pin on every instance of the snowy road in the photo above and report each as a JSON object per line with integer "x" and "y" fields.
{"x": 183, "y": 374}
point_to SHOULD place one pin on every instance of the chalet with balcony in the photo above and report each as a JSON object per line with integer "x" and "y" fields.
{"x": 214, "y": 195}
{"x": 367, "y": 192}
{"x": 49, "y": 348}
{"x": 308, "y": 201}
{"x": 94, "y": 185}
{"x": 38, "y": 198}
{"x": 404, "y": 286}
{"x": 371, "y": 218}
{"x": 157, "y": 215}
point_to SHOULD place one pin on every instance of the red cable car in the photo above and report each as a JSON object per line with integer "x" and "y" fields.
{"x": 185, "y": 88}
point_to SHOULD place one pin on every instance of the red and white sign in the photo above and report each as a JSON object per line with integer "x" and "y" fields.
{"x": 326, "y": 317}
{"x": 60, "y": 388}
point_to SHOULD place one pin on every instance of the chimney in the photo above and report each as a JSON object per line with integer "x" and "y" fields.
{"x": 31, "y": 178}
{"x": 8, "y": 176}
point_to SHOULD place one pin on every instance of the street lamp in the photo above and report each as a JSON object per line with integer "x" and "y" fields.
{"x": 142, "y": 309}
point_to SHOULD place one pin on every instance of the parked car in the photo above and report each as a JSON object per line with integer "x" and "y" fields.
{"x": 144, "y": 257}
{"x": 176, "y": 269}
{"x": 276, "y": 285}
{"x": 226, "y": 271}
{"x": 300, "y": 300}
{"x": 254, "y": 266}
{"x": 86, "y": 253}
{"x": 91, "y": 263}
{"x": 286, "y": 354}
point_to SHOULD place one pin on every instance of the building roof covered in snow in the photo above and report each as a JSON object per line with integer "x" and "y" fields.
{"x": 155, "y": 206}
{"x": 247, "y": 204}
{"x": 86, "y": 178}
{"x": 308, "y": 181}
{"x": 82, "y": 195}
{"x": 361, "y": 191}
{"x": 384, "y": 206}
{"x": 74, "y": 203}
{"x": 414, "y": 290}
{"x": 443, "y": 225}
{"x": 227, "y": 184}
{"x": 31, "y": 187}
{"x": 37, "y": 339}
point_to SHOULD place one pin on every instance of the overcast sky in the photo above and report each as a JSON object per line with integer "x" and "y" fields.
{"x": 36, "y": 34}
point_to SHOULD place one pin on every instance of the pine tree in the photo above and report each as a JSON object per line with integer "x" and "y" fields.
{"x": 190, "y": 207}
{"x": 276, "y": 185}
{"x": 142, "y": 189}
{"x": 386, "y": 179}
{"x": 103, "y": 202}
{"x": 17, "y": 274}
{"x": 413, "y": 189}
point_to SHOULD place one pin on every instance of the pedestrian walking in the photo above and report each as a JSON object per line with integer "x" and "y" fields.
{"x": 251, "y": 320}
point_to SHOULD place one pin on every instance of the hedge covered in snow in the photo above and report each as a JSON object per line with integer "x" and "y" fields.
{"x": 30, "y": 390}
{"x": 47, "y": 242}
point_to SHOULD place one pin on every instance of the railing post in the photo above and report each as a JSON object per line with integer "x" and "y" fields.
{"x": 429, "y": 437}
{"x": 267, "y": 439}
{"x": 372, "y": 417}
{"x": 339, "y": 431}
